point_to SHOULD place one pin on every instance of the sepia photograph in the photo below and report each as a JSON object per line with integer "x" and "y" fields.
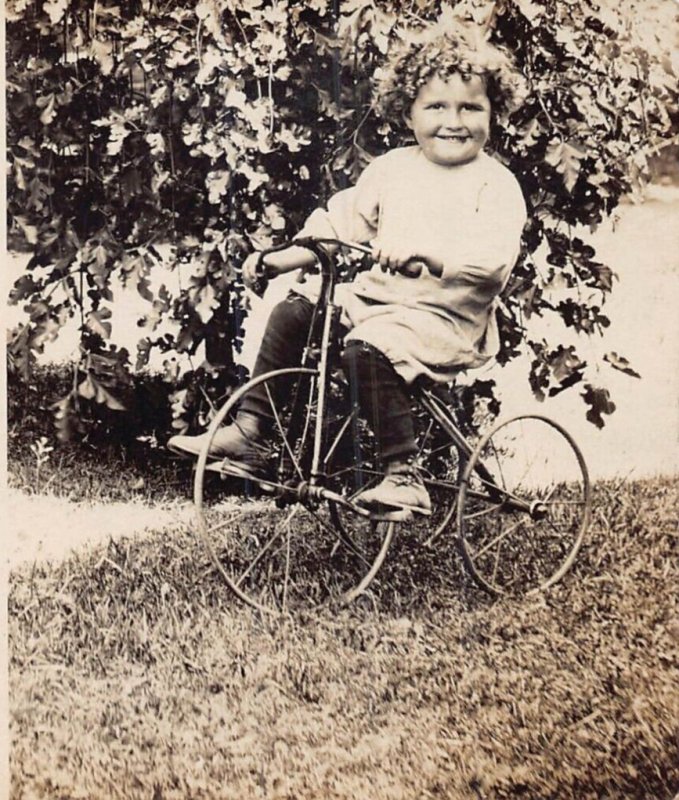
{"x": 341, "y": 400}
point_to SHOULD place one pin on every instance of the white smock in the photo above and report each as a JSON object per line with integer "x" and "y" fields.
{"x": 468, "y": 218}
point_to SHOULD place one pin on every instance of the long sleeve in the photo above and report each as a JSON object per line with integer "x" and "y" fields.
{"x": 352, "y": 214}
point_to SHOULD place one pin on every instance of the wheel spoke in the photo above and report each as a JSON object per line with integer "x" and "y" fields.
{"x": 499, "y": 464}
{"x": 350, "y": 470}
{"x": 286, "y": 579}
{"x": 269, "y": 544}
{"x": 498, "y": 538}
{"x": 497, "y": 557}
{"x": 226, "y": 523}
{"x": 428, "y": 436}
{"x": 339, "y": 536}
{"x": 556, "y": 530}
{"x": 343, "y": 429}
{"x": 220, "y": 526}
{"x": 438, "y": 461}
{"x": 580, "y": 503}
{"x": 484, "y": 512}
{"x": 549, "y": 494}
{"x": 284, "y": 435}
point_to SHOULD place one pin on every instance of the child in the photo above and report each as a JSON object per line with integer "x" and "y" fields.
{"x": 442, "y": 201}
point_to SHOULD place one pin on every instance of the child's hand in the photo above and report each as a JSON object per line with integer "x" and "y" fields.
{"x": 395, "y": 258}
{"x": 390, "y": 256}
{"x": 257, "y": 271}
{"x": 254, "y": 276}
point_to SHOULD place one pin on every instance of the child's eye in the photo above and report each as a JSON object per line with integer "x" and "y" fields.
{"x": 435, "y": 106}
{"x": 471, "y": 107}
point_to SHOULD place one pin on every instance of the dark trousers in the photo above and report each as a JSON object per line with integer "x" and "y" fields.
{"x": 381, "y": 393}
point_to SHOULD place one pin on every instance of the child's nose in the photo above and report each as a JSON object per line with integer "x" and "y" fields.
{"x": 452, "y": 118}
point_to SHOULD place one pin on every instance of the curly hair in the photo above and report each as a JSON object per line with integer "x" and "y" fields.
{"x": 460, "y": 49}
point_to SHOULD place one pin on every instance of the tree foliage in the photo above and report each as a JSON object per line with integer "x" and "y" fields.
{"x": 213, "y": 127}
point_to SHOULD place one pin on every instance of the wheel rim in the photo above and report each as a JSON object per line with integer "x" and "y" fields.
{"x": 535, "y": 462}
{"x": 273, "y": 551}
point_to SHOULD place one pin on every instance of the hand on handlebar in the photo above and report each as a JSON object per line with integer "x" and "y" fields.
{"x": 412, "y": 268}
{"x": 259, "y": 268}
{"x": 254, "y": 275}
{"x": 395, "y": 259}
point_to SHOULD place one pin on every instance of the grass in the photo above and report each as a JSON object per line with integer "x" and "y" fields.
{"x": 113, "y": 462}
{"x": 134, "y": 673}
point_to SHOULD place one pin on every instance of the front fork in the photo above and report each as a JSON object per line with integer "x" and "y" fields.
{"x": 329, "y": 335}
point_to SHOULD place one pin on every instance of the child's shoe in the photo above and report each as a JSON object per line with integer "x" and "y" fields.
{"x": 238, "y": 444}
{"x": 401, "y": 489}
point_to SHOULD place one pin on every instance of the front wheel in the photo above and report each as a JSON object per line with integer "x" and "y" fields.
{"x": 523, "y": 507}
{"x": 280, "y": 548}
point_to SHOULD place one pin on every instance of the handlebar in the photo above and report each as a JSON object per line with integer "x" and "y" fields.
{"x": 311, "y": 242}
{"x": 314, "y": 244}
{"x": 319, "y": 247}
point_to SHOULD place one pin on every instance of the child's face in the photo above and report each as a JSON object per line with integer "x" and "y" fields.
{"x": 451, "y": 119}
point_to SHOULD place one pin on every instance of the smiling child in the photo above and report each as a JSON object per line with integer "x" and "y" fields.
{"x": 443, "y": 201}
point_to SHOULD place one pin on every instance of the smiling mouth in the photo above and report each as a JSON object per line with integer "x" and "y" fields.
{"x": 454, "y": 138}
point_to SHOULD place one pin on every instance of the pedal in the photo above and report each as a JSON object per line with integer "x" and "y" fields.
{"x": 395, "y": 515}
{"x": 214, "y": 466}
{"x": 226, "y": 468}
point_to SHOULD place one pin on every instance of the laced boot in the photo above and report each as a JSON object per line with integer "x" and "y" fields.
{"x": 400, "y": 493}
{"x": 240, "y": 445}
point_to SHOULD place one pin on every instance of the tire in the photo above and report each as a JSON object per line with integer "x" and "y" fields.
{"x": 280, "y": 548}
{"x": 533, "y": 462}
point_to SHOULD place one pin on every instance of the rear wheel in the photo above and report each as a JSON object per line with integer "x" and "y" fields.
{"x": 281, "y": 548}
{"x": 524, "y": 506}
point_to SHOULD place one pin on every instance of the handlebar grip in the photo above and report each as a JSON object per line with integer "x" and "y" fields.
{"x": 261, "y": 281}
{"x": 413, "y": 268}
{"x": 259, "y": 286}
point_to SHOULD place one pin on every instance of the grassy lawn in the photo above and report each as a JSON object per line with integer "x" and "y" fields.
{"x": 133, "y": 673}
